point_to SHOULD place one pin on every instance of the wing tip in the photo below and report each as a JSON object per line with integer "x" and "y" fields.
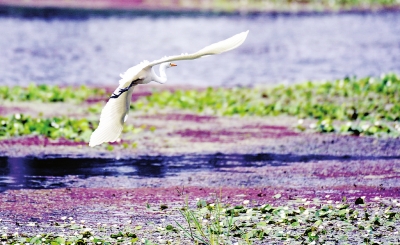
{"x": 105, "y": 134}
{"x": 92, "y": 143}
{"x": 95, "y": 142}
{"x": 243, "y": 36}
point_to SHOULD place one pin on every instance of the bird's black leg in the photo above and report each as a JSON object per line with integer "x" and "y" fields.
{"x": 123, "y": 90}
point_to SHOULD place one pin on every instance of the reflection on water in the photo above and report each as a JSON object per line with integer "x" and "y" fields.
{"x": 95, "y": 49}
{"x": 55, "y": 172}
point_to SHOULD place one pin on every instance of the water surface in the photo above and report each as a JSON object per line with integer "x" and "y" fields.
{"x": 57, "y": 171}
{"x": 279, "y": 48}
{"x": 163, "y": 171}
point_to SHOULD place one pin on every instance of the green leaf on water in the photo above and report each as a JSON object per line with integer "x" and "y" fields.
{"x": 110, "y": 147}
{"x": 302, "y": 209}
{"x": 317, "y": 223}
{"x": 295, "y": 224}
{"x": 119, "y": 234}
{"x": 129, "y": 234}
{"x": 261, "y": 224}
{"x": 343, "y": 206}
{"x": 201, "y": 203}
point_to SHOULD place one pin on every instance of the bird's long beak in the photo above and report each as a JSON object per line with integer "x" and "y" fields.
{"x": 172, "y": 64}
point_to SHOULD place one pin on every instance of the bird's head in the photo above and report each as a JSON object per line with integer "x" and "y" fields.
{"x": 169, "y": 65}
{"x": 163, "y": 75}
{"x": 166, "y": 65}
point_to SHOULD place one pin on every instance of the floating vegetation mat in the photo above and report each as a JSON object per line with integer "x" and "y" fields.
{"x": 49, "y": 93}
{"x": 367, "y": 106}
{"x": 302, "y": 221}
{"x": 299, "y": 221}
{"x": 53, "y": 128}
{"x": 288, "y": 5}
{"x": 76, "y": 130}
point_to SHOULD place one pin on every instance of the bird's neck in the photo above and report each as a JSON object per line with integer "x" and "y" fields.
{"x": 163, "y": 75}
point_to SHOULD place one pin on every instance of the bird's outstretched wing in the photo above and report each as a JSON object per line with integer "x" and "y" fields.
{"x": 139, "y": 70}
{"x": 112, "y": 119}
{"x": 215, "y": 48}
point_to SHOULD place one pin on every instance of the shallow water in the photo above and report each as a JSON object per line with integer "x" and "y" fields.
{"x": 279, "y": 48}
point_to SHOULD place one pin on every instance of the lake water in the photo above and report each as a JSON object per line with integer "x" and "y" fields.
{"x": 279, "y": 49}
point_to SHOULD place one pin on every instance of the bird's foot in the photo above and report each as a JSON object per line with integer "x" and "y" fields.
{"x": 121, "y": 91}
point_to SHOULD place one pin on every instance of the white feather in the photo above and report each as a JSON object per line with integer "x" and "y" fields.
{"x": 215, "y": 48}
{"x": 133, "y": 73}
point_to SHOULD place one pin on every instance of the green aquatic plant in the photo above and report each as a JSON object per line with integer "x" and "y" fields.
{"x": 300, "y": 221}
{"x": 49, "y": 93}
{"x": 71, "y": 232}
{"x": 53, "y": 128}
{"x": 208, "y": 224}
{"x": 290, "y": 5}
{"x": 366, "y": 106}
{"x": 367, "y": 99}
{"x": 345, "y": 99}
{"x": 357, "y": 128}
{"x": 78, "y": 130}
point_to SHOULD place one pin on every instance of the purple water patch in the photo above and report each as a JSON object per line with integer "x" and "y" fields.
{"x": 41, "y": 141}
{"x": 233, "y": 134}
{"x": 182, "y": 117}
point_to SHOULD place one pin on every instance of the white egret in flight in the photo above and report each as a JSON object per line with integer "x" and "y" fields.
{"x": 115, "y": 112}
